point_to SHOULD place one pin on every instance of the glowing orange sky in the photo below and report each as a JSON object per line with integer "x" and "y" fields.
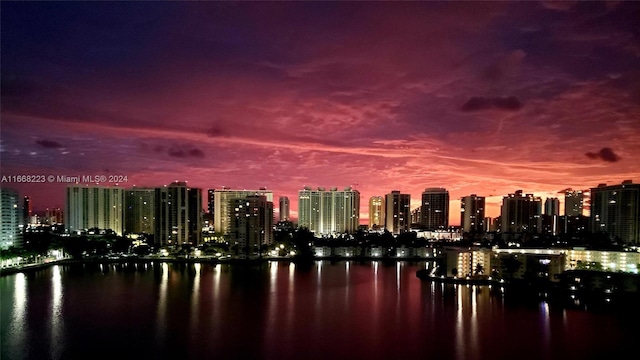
{"x": 485, "y": 98}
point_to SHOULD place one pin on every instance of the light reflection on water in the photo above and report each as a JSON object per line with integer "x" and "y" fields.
{"x": 345, "y": 309}
{"x": 18, "y": 325}
{"x": 195, "y": 301}
{"x": 161, "y": 322}
{"x": 57, "y": 320}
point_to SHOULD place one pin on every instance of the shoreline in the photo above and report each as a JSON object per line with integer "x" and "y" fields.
{"x": 562, "y": 287}
{"x": 231, "y": 261}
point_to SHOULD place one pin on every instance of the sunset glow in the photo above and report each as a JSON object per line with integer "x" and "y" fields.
{"x": 477, "y": 97}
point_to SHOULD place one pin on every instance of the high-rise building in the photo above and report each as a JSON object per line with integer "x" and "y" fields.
{"x": 11, "y": 222}
{"x": 376, "y": 212}
{"x": 211, "y": 201}
{"x": 223, "y": 205}
{"x": 178, "y": 215}
{"x": 54, "y": 216}
{"x": 615, "y": 210}
{"x": 434, "y": 210}
{"x": 252, "y": 225}
{"x": 521, "y": 213}
{"x": 551, "y": 217}
{"x": 398, "y": 213}
{"x": 284, "y": 209}
{"x": 26, "y": 210}
{"x": 552, "y": 206}
{"x": 489, "y": 225}
{"x": 472, "y": 213}
{"x": 327, "y": 212}
{"x": 573, "y": 202}
{"x": 416, "y": 217}
{"x": 89, "y": 207}
{"x": 574, "y": 221}
{"x": 139, "y": 211}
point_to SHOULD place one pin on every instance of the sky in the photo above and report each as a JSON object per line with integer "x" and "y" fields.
{"x": 477, "y": 97}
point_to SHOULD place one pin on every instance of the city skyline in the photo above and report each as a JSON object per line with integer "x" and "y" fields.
{"x": 207, "y": 200}
{"x": 481, "y": 98}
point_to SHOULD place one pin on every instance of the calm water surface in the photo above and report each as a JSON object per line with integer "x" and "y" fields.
{"x": 280, "y": 310}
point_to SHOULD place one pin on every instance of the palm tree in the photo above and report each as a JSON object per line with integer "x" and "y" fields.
{"x": 479, "y": 269}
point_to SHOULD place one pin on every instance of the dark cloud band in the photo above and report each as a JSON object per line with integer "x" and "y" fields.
{"x": 478, "y": 103}
{"x": 605, "y": 154}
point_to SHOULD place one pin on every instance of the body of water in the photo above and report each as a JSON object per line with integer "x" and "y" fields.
{"x": 281, "y": 310}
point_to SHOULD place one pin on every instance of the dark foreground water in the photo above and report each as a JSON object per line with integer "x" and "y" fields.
{"x": 278, "y": 310}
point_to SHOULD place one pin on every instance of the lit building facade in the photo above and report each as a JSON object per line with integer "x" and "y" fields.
{"x": 624, "y": 261}
{"x": 223, "y": 205}
{"x": 139, "y": 211}
{"x": 328, "y": 212}
{"x": 398, "y": 213}
{"x": 285, "y": 208}
{"x": 615, "y": 210}
{"x": 26, "y": 210}
{"x": 94, "y": 207}
{"x": 11, "y": 221}
{"x": 573, "y": 202}
{"x": 416, "y": 217}
{"x": 178, "y": 215}
{"x": 434, "y": 209}
{"x": 521, "y": 213}
{"x": 211, "y": 201}
{"x": 252, "y": 225}
{"x": 472, "y": 213}
{"x": 376, "y": 212}
{"x": 54, "y": 216}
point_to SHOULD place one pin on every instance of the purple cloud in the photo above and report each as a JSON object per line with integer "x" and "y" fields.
{"x": 185, "y": 151}
{"x": 605, "y": 154}
{"x": 48, "y": 144}
{"x": 478, "y": 103}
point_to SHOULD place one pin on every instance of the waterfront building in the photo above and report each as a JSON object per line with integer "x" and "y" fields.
{"x": 521, "y": 213}
{"x": 538, "y": 264}
{"x": 376, "y": 212}
{"x": 397, "y": 214}
{"x": 434, "y": 210}
{"x": 223, "y": 205}
{"x": 284, "y": 209}
{"x": 178, "y": 215}
{"x": 98, "y": 207}
{"x": 11, "y": 222}
{"x": 613, "y": 261}
{"x": 472, "y": 217}
{"x": 461, "y": 262}
{"x": 252, "y": 225}
{"x": 139, "y": 211}
{"x": 615, "y": 210}
{"x": 329, "y": 212}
